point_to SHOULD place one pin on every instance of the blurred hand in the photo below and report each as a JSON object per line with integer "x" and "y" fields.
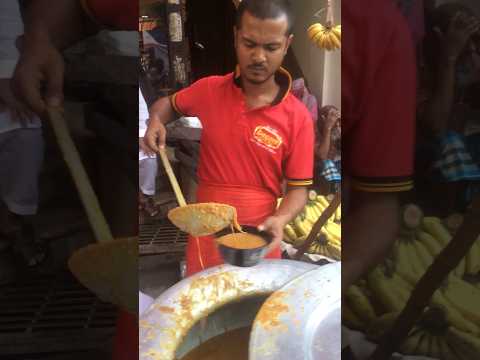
{"x": 147, "y": 151}
{"x": 155, "y": 135}
{"x": 459, "y": 33}
{"x": 38, "y": 78}
{"x": 8, "y": 102}
{"x": 332, "y": 118}
{"x": 274, "y": 225}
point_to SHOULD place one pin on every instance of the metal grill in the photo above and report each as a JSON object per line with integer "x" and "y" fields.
{"x": 161, "y": 237}
{"x": 53, "y": 314}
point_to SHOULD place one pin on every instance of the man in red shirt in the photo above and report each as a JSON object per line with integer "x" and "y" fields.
{"x": 378, "y": 122}
{"x": 255, "y": 132}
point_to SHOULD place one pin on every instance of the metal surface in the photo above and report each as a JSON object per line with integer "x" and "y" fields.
{"x": 169, "y": 319}
{"x": 302, "y": 320}
{"x": 43, "y": 314}
{"x": 162, "y": 238}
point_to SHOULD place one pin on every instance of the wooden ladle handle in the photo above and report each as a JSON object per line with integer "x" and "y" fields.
{"x": 172, "y": 178}
{"x": 80, "y": 178}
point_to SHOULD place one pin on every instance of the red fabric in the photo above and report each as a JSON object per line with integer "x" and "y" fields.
{"x": 243, "y": 147}
{"x": 253, "y": 206}
{"x": 118, "y": 14}
{"x": 378, "y": 94}
{"x": 126, "y": 338}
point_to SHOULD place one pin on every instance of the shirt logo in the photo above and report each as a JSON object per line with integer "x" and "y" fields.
{"x": 267, "y": 137}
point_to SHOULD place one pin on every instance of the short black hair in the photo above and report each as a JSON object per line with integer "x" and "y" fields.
{"x": 266, "y": 9}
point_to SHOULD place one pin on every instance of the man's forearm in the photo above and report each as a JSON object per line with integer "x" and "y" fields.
{"x": 293, "y": 202}
{"x": 369, "y": 229}
{"x": 162, "y": 111}
{"x": 62, "y": 22}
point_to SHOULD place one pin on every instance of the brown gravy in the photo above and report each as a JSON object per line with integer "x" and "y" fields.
{"x": 232, "y": 345}
{"x": 242, "y": 241}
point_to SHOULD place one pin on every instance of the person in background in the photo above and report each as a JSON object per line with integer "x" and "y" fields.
{"x": 328, "y": 148}
{"x": 148, "y": 165}
{"x": 256, "y": 133}
{"x": 21, "y": 147}
{"x": 51, "y": 27}
{"x": 448, "y": 153}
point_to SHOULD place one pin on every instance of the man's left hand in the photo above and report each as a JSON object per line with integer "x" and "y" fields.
{"x": 273, "y": 225}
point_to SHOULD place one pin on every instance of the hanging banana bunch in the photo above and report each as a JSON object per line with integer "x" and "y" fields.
{"x": 328, "y": 36}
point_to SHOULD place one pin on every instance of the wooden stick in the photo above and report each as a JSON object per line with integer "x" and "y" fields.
{"x": 327, "y": 214}
{"x": 443, "y": 265}
{"x": 172, "y": 178}
{"x": 80, "y": 178}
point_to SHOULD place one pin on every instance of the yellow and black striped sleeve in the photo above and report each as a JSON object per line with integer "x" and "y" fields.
{"x": 299, "y": 182}
{"x": 382, "y": 184}
{"x": 173, "y": 102}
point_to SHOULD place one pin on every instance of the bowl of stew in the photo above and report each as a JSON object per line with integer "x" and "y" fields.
{"x": 243, "y": 248}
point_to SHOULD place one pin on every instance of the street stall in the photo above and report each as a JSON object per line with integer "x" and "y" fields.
{"x": 250, "y": 307}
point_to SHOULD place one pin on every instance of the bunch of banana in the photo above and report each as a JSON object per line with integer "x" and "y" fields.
{"x": 328, "y": 242}
{"x": 450, "y": 327}
{"x": 326, "y": 37}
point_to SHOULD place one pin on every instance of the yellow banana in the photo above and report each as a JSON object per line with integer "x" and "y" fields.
{"x": 314, "y": 29}
{"x": 384, "y": 291}
{"x": 334, "y": 230}
{"x": 334, "y": 250}
{"x": 412, "y": 341}
{"x": 337, "y": 30}
{"x": 402, "y": 262}
{"x": 473, "y": 259}
{"x": 464, "y": 297}
{"x": 360, "y": 304}
{"x": 350, "y": 319}
{"x": 435, "y": 227}
{"x": 338, "y": 213}
{"x": 335, "y": 41}
{"x": 417, "y": 268}
{"x": 322, "y": 200}
{"x": 446, "y": 352}
{"x": 290, "y": 232}
{"x": 300, "y": 227}
{"x": 466, "y": 344}
{"x": 453, "y": 316}
{"x": 308, "y": 214}
{"x": 433, "y": 246}
{"x": 423, "y": 254}
{"x": 315, "y": 210}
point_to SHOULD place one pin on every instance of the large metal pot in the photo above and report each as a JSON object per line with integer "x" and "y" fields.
{"x": 302, "y": 320}
{"x": 169, "y": 329}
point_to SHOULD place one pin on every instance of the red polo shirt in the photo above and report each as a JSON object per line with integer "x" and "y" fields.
{"x": 378, "y": 97}
{"x": 117, "y": 14}
{"x": 255, "y": 148}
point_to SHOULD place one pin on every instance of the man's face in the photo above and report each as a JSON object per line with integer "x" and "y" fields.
{"x": 261, "y": 46}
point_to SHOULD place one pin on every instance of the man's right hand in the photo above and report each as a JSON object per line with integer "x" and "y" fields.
{"x": 8, "y": 102}
{"x": 38, "y": 77}
{"x": 155, "y": 135}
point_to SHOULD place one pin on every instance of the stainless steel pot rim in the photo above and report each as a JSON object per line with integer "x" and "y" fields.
{"x": 302, "y": 320}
